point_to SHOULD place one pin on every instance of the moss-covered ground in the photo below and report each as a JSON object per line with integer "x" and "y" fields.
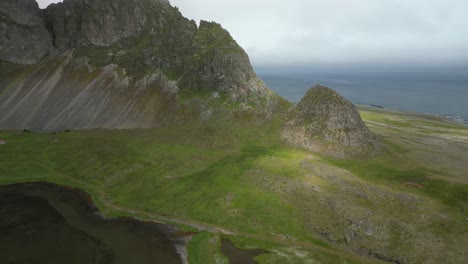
{"x": 241, "y": 178}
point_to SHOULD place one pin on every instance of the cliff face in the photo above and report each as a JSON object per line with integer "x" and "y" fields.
{"x": 323, "y": 121}
{"x": 23, "y": 36}
{"x": 218, "y": 63}
{"x": 95, "y": 62}
{"x": 101, "y": 22}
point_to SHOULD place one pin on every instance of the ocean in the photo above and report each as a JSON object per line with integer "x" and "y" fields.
{"x": 446, "y": 97}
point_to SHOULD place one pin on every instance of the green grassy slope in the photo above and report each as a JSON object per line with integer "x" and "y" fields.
{"x": 242, "y": 178}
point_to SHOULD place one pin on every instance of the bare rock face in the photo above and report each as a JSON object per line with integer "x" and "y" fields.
{"x": 23, "y": 36}
{"x": 325, "y": 122}
{"x": 100, "y": 22}
{"x": 218, "y": 63}
{"x": 138, "y": 35}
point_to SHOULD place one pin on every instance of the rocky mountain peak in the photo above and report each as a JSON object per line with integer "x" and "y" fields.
{"x": 25, "y": 12}
{"x": 109, "y": 53}
{"x": 100, "y": 22}
{"x": 325, "y": 122}
{"x": 218, "y": 63}
{"x": 23, "y": 36}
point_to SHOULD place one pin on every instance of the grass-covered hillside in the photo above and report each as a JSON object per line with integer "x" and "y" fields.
{"x": 407, "y": 205}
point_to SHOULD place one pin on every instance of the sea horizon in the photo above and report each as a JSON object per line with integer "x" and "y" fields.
{"x": 439, "y": 95}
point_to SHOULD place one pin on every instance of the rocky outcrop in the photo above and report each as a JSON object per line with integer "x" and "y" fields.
{"x": 101, "y": 22}
{"x": 325, "y": 122}
{"x": 218, "y": 63}
{"x": 23, "y": 36}
{"x": 118, "y": 46}
{"x": 135, "y": 34}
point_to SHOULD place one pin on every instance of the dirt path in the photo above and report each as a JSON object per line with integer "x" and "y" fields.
{"x": 202, "y": 226}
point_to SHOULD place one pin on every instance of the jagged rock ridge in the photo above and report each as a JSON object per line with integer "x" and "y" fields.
{"x": 323, "y": 121}
{"x": 126, "y": 42}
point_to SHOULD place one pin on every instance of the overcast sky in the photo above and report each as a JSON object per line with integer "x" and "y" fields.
{"x": 340, "y": 32}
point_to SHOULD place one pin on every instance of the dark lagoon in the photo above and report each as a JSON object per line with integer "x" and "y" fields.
{"x": 46, "y": 223}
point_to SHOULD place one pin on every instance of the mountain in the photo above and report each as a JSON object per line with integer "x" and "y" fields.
{"x": 120, "y": 64}
{"x": 140, "y": 64}
{"x": 323, "y": 121}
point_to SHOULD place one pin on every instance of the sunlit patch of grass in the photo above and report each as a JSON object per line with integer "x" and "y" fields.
{"x": 204, "y": 248}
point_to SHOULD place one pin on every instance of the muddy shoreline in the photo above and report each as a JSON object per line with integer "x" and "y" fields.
{"x": 237, "y": 255}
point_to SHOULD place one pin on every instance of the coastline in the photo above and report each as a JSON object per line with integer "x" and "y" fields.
{"x": 431, "y": 95}
{"x": 443, "y": 118}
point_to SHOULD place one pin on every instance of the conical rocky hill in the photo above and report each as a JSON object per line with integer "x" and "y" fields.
{"x": 323, "y": 121}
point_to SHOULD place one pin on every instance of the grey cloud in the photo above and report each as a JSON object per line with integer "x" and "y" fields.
{"x": 278, "y": 32}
